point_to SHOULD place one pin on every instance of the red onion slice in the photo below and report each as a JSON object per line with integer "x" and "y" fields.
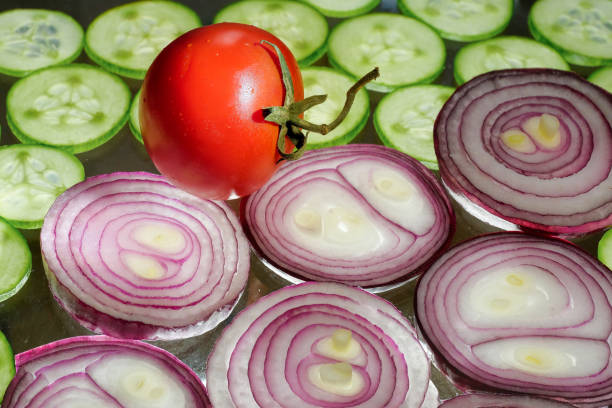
{"x": 363, "y": 215}
{"x": 529, "y": 149}
{"x": 320, "y": 345}
{"x": 526, "y": 314}
{"x": 130, "y": 255}
{"x": 501, "y": 401}
{"x": 102, "y": 372}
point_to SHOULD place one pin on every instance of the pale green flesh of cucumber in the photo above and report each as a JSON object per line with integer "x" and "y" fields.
{"x": 504, "y": 53}
{"x": 343, "y": 8}
{"x": 31, "y": 178}
{"x": 581, "y": 30}
{"x": 462, "y": 20}
{"x": 603, "y": 78}
{"x": 604, "y": 249}
{"x": 126, "y": 39}
{"x": 7, "y": 364}
{"x": 404, "y": 120}
{"x": 74, "y": 107}
{"x": 303, "y": 29}
{"x": 31, "y": 39}
{"x": 326, "y": 81}
{"x": 16, "y": 261}
{"x": 134, "y": 118}
{"x": 406, "y": 50}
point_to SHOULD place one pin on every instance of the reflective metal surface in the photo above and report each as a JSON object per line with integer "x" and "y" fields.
{"x": 32, "y": 318}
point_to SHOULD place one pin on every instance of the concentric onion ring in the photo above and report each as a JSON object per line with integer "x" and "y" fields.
{"x": 501, "y": 401}
{"x": 531, "y": 147}
{"x": 102, "y": 372}
{"x": 319, "y": 345}
{"x": 130, "y": 255}
{"x": 513, "y": 312}
{"x": 364, "y": 215}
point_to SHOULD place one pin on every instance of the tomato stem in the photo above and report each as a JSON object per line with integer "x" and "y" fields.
{"x": 288, "y": 115}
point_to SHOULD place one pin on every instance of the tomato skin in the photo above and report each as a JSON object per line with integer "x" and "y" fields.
{"x": 201, "y": 109}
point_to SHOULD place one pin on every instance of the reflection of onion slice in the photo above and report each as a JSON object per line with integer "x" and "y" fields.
{"x": 532, "y": 147}
{"x": 130, "y": 255}
{"x": 501, "y": 401}
{"x": 363, "y": 215}
{"x": 522, "y": 314}
{"x": 103, "y": 372}
{"x": 276, "y": 353}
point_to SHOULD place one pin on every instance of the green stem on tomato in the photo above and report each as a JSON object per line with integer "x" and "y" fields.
{"x": 288, "y": 115}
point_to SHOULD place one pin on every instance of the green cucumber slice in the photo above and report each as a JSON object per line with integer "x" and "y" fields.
{"x": 75, "y": 107}
{"x": 581, "y": 30}
{"x": 126, "y": 39}
{"x": 334, "y": 84}
{"x": 134, "y": 121}
{"x": 406, "y": 50}
{"x": 604, "y": 249}
{"x": 302, "y": 28}
{"x": 603, "y": 78}
{"x": 7, "y": 365}
{"x": 16, "y": 261}
{"x": 31, "y": 178}
{"x": 344, "y": 8}
{"x": 461, "y": 20}
{"x": 504, "y": 53}
{"x": 31, "y": 39}
{"x": 404, "y": 120}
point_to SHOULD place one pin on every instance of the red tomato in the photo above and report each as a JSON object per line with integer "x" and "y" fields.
{"x": 201, "y": 109}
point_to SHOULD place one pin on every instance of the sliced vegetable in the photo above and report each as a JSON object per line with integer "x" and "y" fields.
{"x": 603, "y": 77}
{"x": 127, "y": 38}
{"x": 345, "y": 8}
{"x": 319, "y": 345}
{"x": 504, "y": 53}
{"x": 404, "y": 120}
{"x": 134, "y": 121}
{"x": 520, "y": 313}
{"x": 406, "y": 50}
{"x": 604, "y": 249}
{"x": 7, "y": 364}
{"x": 75, "y": 107}
{"x": 579, "y": 30}
{"x": 363, "y": 215}
{"x": 130, "y": 255}
{"x": 31, "y": 39}
{"x": 100, "y": 371}
{"x": 334, "y": 84}
{"x": 501, "y": 401}
{"x": 302, "y": 28}
{"x": 529, "y": 149}
{"x": 463, "y": 20}
{"x": 16, "y": 261}
{"x": 31, "y": 177}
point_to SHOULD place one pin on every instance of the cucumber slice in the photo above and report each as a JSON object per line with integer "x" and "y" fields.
{"x": 302, "y": 28}
{"x": 344, "y": 8}
{"x": 603, "y": 78}
{"x": 126, "y": 39}
{"x": 31, "y": 177}
{"x": 604, "y": 249}
{"x": 323, "y": 80}
{"x": 504, "y": 53}
{"x": 7, "y": 365}
{"x": 75, "y": 107}
{"x": 580, "y": 30}
{"x": 16, "y": 261}
{"x": 134, "y": 121}
{"x": 461, "y": 20}
{"x": 406, "y": 50}
{"x": 31, "y": 39}
{"x": 404, "y": 120}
